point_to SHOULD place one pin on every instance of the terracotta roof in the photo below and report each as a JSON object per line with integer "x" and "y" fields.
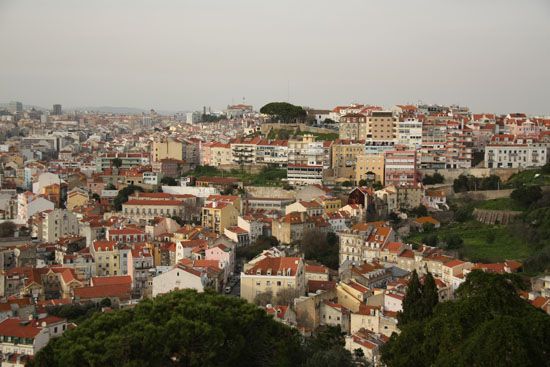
{"x": 453, "y": 263}
{"x": 315, "y": 285}
{"x": 121, "y": 291}
{"x": 111, "y": 280}
{"x": 274, "y": 265}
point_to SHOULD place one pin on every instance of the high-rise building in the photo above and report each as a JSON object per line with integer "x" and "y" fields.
{"x": 15, "y": 107}
{"x": 56, "y": 110}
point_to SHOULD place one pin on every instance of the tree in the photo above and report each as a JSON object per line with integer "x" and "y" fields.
{"x": 264, "y": 298}
{"x": 454, "y": 241}
{"x": 123, "y": 195}
{"x": 363, "y": 182}
{"x": 487, "y": 325}
{"x": 490, "y": 237}
{"x": 437, "y": 178}
{"x": 412, "y": 303}
{"x": 182, "y": 328}
{"x": 105, "y": 302}
{"x": 347, "y": 183}
{"x": 430, "y": 296}
{"x": 321, "y": 247}
{"x": 284, "y": 112}
{"x": 428, "y": 227}
{"x": 526, "y": 195}
{"x": 168, "y": 181}
{"x": 326, "y": 349}
{"x": 7, "y": 229}
{"x": 117, "y": 162}
{"x": 430, "y": 240}
{"x": 286, "y": 296}
{"x": 419, "y": 211}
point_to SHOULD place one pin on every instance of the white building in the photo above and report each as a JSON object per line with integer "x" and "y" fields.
{"x": 180, "y": 277}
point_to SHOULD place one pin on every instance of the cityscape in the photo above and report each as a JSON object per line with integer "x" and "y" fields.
{"x": 271, "y": 229}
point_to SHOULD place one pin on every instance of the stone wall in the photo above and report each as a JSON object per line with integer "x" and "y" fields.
{"x": 495, "y": 216}
{"x": 452, "y": 174}
{"x": 265, "y": 128}
{"x": 485, "y": 194}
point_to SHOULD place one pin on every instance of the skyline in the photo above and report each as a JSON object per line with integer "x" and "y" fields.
{"x": 176, "y": 56}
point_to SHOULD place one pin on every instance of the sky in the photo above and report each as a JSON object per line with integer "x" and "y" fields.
{"x": 491, "y": 55}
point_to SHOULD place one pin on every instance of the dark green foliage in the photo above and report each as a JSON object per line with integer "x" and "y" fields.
{"x": 437, "y": 178}
{"x": 326, "y": 349}
{"x": 538, "y": 262}
{"x": 454, "y": 241}
{"x": 491, "y": 237}
{"x": 261, "y": 244}
{"x": 419, "y": 211}
{"x": 488, "y": 325}
{"x": 526, "y": 195}
{"x": 428, "y": 227}
{"x": 117, "y": 162}
{"x": 430, "y": 240}
{"x": 183, "y": 328}
{"x": 363, "y": 182}
{"x": 347, "y": 184}
{"x": 412, "y": 304}
{"x": 321, "y": 247}
{"x": 470, "y": 183}
{"x": 123, "y": 195}
{"x": 284, "y": 112}
{"x": 168, "y": 181}
{"x": 430, "y": 296}
{"x": 74, "y": 312}
{"x": 212, "y": 118}
{"x": 464, "y": 213}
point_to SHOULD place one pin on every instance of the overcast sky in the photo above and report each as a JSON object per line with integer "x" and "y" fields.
{"x": 492, "y": 55}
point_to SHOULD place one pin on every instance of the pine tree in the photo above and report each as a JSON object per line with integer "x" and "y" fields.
{"x": 412, "y": 303}
{"x": 430, "y": 296}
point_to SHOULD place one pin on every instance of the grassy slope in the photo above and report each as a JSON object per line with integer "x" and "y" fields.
{"x": 505, "y": 246}
{"x": 500, "y": 204}
{"x": 267, "y": 177}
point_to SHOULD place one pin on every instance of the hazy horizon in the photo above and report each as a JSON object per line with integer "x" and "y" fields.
{"x": 182, "y": 55}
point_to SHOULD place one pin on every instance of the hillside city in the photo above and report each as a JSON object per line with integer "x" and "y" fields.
{"x": 323, "y": 219}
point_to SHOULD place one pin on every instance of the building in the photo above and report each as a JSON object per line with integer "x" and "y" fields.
{"x": 409, "y": 133}
{"x": 344, "y": 158}
{"x": 291, "y": 227}
{"x": 144, "y": 209}
{"x": 56, "y": 110}
{"x": 58, "y": 223}
{"x": 106, "y": 256}
{"x": 15, "y": 107}
{"x": 381, "y": 126}
{"x": 353, "y": 126}
{"x": 369, "y": 167}
{"x": 27, "y": 337}
{"x": 179, "y": 277}
{"x": 400, "y": 168}
{"x": 168, "y": 148}
{"x": 299, "y": 174}
{"x": 273, "y": 274}
{"x": 218, "y": 216}
{"x": 512, "y": 152}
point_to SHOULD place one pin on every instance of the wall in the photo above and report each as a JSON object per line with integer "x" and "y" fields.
{"x": 451, "y": 174}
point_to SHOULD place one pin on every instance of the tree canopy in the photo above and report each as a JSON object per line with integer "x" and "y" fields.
{"x": 186, "y": 328}
{"x": 123, "y": 195}
{"x": 284, "y": 112}
{"x": 182, "y": 328}
{"x": 488, "y": 325}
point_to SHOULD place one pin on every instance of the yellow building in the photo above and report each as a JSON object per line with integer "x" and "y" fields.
{"x": 106, "y": 255}
{"x": 367, "y": 163}
{"x": 168, "y": 148}
{"x": 218, "y": 216}
{"x": 344, "y": 158}
{"x": 382, "y": 126}
{"x": 330, "y": 204}
{"x": 220, "y": 154}
{"x": 273, "y": 274}
{"x": 76, "y": 197}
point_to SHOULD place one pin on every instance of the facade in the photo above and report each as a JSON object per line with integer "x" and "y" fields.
{"x": 370, "y": 167}
{"x": 353, "y": 126}
{"x": 179, "y": 277}
{"x": 381, "y": 126}
{"x": 167, "y": 149}
{"x": 400, "y": 168}
{"x": 218, "y": 216}
{"x": 58, "y": 223}
{"x": 273, "y": 274}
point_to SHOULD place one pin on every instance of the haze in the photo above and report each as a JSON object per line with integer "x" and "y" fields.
{"x": 181, "y": 55}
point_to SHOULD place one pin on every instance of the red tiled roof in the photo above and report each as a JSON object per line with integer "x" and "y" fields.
{"x": 112, "y": 280}
{"x": 275, "y": 264}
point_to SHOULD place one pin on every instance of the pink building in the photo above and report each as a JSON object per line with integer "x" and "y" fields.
{"x": 224, "y": 254}
{"x": 140, "y": 260}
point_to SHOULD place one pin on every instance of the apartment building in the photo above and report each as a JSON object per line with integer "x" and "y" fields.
{"x": 353, "y": 126}
{"x": 106, "y": 255}
{"x": 168, "y": 148}
{"x": 400, "y": 168}
{"x": 344, "y": 158}
{"x": 273, "y": 274}
{"x": 217, "y": 216}
{"x": 509, "y": 151}
{"x": 58, "y": 223}
{"x": 381, "y": 126}
{"x": 370, "y": 167}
